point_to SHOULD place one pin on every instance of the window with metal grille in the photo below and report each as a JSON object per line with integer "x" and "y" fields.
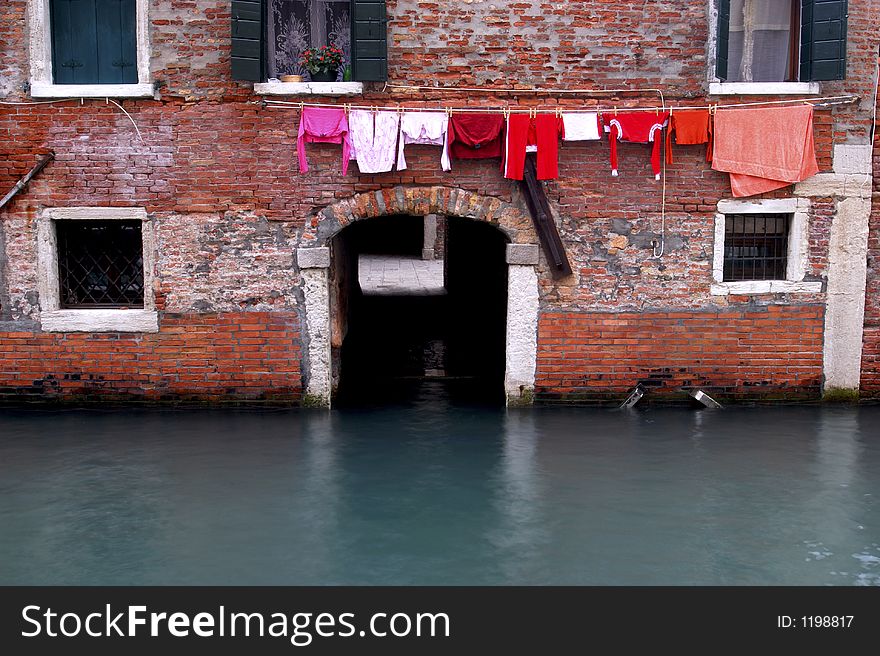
{"x": 756, "y": 246}
{"x": 100, "y": 264}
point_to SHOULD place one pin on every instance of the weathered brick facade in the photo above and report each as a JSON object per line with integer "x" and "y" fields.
{"x": 217, "y": 175}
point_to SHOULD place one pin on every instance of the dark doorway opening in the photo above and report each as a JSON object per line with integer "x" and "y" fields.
{"x": 407, "y": 325}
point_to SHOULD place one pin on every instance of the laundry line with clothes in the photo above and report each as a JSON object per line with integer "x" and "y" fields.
{"x": 778, "y": 153}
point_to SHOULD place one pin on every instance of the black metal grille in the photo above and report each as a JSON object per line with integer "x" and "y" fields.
{"x": 100, "y": 264}
{"x": 755, "y": 246}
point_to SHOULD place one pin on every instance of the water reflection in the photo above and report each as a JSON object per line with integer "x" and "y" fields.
{"x": 430, "y": 492}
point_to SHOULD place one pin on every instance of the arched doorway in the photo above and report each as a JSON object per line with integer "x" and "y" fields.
{"x": 419, "y": 321}
{"x": 477, "y": 326}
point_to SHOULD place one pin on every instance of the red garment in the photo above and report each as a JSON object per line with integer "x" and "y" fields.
{"x": 691, "y": 126}
{"x": 475, "y": 136}
{"x": 543, "y": 132}
{"x": 636, "y": 127}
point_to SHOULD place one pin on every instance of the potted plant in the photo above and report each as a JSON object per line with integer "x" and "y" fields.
{"x": 322, "y": 63}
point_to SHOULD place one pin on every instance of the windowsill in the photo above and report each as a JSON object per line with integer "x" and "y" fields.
{"x": 309, "y": 88}
{"x": 763, "y": 88}
{"x": 746, "y": 287}
{"x": 45, "y": 90}
{"x": 100, "y": 321}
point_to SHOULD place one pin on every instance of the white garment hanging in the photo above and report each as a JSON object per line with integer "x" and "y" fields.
{"x": 580, "y": 126}
{"x": 374, "y": 139}
{"x": 427, "y": 128}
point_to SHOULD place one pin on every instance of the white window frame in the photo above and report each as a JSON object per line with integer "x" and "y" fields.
{"x": 40, "y": 43}
{"x": 798, "y": 248}
{"x": 719, "y": 88}
{"x": 55, "y": 319}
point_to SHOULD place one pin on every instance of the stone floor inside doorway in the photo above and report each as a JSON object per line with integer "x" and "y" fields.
{"x": 395, "y": 275}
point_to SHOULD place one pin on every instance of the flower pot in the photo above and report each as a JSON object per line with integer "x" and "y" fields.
{"x": 324, "y": 76}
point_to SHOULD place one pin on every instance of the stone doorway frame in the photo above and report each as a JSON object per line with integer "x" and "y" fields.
{"x": 314, "y": 260}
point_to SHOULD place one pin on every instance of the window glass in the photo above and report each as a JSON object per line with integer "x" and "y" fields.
{"x": 299, "y": 24}
{"x": 760, "y": 41}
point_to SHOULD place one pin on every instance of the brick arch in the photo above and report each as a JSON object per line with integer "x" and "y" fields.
{"x": 418, "y": 201}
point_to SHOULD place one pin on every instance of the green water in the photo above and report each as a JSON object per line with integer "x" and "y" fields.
{"x": 430, "y": 493}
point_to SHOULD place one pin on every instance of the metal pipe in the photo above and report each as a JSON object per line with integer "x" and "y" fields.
{"x": 21, "y": 184}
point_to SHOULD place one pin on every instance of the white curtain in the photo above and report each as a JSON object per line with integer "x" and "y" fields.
{"x": 759, "y": 40}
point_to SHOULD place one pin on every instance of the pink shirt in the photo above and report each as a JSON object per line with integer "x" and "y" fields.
{"x": 322, "y": 125}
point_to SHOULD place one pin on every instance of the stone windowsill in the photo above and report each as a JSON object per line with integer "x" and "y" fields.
{"x": 309, "y": 88}
{"x": 44, "y": 90}
{"x": 763, "y": 88}
{"x": 747, "y": 287}
{"x": 100, "y": 321}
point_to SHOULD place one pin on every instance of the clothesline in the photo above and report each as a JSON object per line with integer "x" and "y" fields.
{"x": 824, "y": 101}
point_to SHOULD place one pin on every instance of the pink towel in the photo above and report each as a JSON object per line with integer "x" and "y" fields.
{"x": 764, "y": 148}
{"x": 320, "y": 125}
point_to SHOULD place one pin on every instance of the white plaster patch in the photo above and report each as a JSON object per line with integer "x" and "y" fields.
{"x": 317, "y": 307}
{"x": 522, "y": 333}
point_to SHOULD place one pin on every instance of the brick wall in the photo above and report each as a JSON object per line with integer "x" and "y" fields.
{"x": 217, "y": 172}
{"x": 252, "y": 356}
{"x": 770, "y": 352}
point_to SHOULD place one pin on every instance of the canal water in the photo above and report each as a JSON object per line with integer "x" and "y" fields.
{"x": 433, "y": 493}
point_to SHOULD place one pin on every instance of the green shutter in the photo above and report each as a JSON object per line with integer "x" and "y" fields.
{"x": 722, "y": 39}
{"x": 74, "y": 42}
{"x": 823, "y": 40}
{"x": 94, "y": 41}
{"x": 117, "y": 49}
{"x": 369, "y": 40}
{"x": 248, "y": 62}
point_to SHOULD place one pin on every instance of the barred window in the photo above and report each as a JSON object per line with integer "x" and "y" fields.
{"x": 756, "y": 246}
{"x": 100, "y": 264}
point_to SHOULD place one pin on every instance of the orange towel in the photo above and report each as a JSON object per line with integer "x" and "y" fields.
{"x": 764, "y": 148}
{"x": 691, "y": 126}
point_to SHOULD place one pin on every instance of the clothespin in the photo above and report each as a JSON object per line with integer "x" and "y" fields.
{"x": 301, "y": 105}
{"x": 505, "y": 111}
{"x": 449, "y": 112}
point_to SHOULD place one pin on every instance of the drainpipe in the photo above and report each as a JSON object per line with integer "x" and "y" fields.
{"x": 21, "y": 184}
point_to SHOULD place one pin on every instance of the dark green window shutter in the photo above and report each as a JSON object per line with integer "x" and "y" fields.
{"x": 117, "y": 41}
{"x": 823, "y": 40}
{"x": 94, "y": 41}
{"x": 369, "y": 40}
{"x": 722, "y": 39}
{"x": 247, "y": 40}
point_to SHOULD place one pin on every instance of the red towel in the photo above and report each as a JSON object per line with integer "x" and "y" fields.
{"x": 475, "y": 136}
{"x": 764, "y": 148}
{"x": 691, "y": 127}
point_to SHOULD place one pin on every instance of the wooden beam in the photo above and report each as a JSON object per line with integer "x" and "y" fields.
{"x": 542, "y": 217}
